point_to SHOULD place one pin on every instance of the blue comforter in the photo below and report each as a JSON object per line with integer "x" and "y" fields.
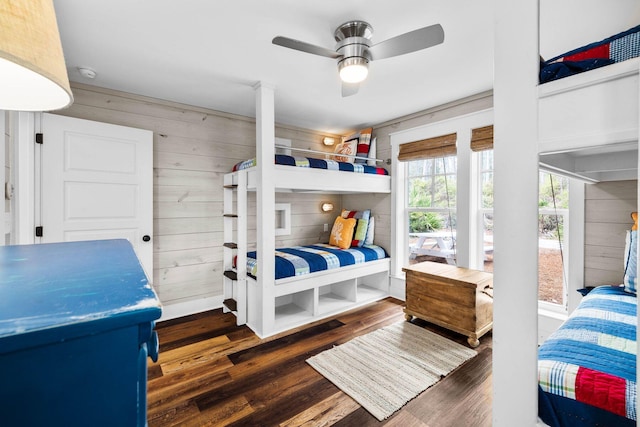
{"x": 300, "y": 260}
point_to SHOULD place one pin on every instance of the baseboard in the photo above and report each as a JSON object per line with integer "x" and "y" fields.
{"x": 181, "y": 309}
{"x": 397, "y": 288}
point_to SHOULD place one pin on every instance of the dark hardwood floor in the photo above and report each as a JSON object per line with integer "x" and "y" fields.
{"x": 213, "y": 373}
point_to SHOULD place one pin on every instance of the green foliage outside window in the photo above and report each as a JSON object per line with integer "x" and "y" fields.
{"x": 560, "y": 189}
{"x": 432, "y": 184}
{"x": 421, "y": 222}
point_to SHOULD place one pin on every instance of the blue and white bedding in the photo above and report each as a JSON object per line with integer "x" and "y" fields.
{"x": 301, "y": 260}
{"x": 587, "y": 368}
{"x": 310, "y": 162}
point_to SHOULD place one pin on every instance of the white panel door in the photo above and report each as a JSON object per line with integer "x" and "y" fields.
{"x": 97, "y": 183}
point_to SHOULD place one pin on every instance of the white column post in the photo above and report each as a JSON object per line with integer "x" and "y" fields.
{"x": 515, "y": 316}
{"x": 265, "y": 210}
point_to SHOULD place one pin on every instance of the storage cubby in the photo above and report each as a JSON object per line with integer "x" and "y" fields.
{"x": 372, "y": 287}
{"x": 296, "y": 308}
{"x": 304, "y": 299}
{"x": 336, "y": 296}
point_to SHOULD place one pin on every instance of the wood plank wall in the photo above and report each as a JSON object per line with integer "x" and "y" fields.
{"x": 193, "y": 148}
{"x": 608, "y": 206}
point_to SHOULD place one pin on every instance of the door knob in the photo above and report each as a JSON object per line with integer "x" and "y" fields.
{"x": 146, "y": 238}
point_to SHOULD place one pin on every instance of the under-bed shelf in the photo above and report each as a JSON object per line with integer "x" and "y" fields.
{"x": 294, "y": 309}
{"x": 323, "y": 294}
{"x": 367, "y": 294}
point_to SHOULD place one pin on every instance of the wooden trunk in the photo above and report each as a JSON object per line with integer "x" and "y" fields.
{"x": 452, "y": 297}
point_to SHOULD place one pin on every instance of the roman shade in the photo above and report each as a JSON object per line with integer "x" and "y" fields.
{"x": 439, "y": 146}
{"x": 482, "y": 138}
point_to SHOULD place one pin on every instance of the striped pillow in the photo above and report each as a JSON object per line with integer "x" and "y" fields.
{"x": 360, "y": 233}
{"x": 631, "y": 261}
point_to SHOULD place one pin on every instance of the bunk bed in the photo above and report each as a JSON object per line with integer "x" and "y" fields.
{"x": 270, "y": 301}
{"x": 588, "y": 121}
{"x": 588, "y": 129}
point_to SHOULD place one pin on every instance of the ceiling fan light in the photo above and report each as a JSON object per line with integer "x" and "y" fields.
{"x": 353, "y": 70}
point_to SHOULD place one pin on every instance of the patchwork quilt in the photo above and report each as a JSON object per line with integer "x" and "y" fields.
{"x": 309, "y": 162}
{"x": 301, "y": 260}
{"x": 617, "y": 48}
{"x": 587, "y": 368}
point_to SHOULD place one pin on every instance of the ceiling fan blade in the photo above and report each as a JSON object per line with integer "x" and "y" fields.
{"x": 349, "y": 89}
{"x": 412, "y": 41}
{"x": 305, "y": 47}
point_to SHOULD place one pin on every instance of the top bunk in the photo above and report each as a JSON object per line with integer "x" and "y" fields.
{"x": 342, "y": 173}
{"x": 588, "y": 109}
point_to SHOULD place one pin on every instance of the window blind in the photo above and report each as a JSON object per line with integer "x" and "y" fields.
{"x": 482, "y": 138}
{"x": 439, "y": 146}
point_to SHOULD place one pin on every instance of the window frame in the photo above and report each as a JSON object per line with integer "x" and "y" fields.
{"x": 468, "y": 213}
{"x": 465, "y": 214}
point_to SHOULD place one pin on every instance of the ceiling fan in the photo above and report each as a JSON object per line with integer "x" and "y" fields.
{"x": 354, "y": 49}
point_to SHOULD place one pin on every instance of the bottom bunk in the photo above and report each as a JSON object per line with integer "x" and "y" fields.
{"x": 587, "y": 368}
{"x": 301, "y": 300}
{"x": 313, "y": 282}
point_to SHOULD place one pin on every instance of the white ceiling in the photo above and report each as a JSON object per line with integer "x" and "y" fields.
{"x": 210, "y": 54}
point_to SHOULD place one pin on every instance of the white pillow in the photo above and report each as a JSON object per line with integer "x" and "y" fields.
{"x": 372, "y": 153}
{"x": 369, "y": 239}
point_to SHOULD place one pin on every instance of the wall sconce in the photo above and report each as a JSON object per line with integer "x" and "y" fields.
{"x": 328, "y": 140}
{"x": 326, "y": 207}
{"x": 33, "y": 75}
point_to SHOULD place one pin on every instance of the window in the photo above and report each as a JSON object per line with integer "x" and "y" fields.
{"x": 553, "y": 218}
{"x": 552, "y": 232}
{"x": 431, "y": 208}
{"x": 485, "y": 199}
{"x": 434, "y": 198}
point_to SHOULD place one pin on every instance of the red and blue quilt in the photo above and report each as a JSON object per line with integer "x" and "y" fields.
{"x": 587, "y": 368}
{"x": 617, "y": 48}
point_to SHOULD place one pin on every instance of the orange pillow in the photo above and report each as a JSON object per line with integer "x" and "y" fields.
{"x": 342, "y": 232}
{"x": 634, "y": 216}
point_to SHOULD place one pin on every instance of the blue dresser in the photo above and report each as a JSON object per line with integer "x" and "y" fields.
{"x": 76, "y": 329}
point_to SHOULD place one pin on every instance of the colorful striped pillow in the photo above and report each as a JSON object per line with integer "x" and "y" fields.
{"x": 362, "y": 226}
{"x": 362, "y": 140}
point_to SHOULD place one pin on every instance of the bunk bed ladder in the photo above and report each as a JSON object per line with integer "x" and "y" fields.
{"x": 235, "y": 245}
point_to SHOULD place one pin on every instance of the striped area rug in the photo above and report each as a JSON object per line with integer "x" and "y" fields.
{"x": 385, "y": 369}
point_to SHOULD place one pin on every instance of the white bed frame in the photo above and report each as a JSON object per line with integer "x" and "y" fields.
{"x": 588, "y": 123}
{"x": 268, "y": 306}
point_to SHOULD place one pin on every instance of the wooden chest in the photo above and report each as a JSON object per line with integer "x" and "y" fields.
{"x": 453, "y": 297}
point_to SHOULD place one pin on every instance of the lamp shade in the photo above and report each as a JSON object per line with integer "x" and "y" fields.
{"x": 33, "y": 74}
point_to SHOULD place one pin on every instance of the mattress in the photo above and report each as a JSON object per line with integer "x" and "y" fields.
{"x": 587, "y": 368}
{"x": 617, "y": 48}
{"x": 302, "y": 260}
{"x": 310, "y": 162}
